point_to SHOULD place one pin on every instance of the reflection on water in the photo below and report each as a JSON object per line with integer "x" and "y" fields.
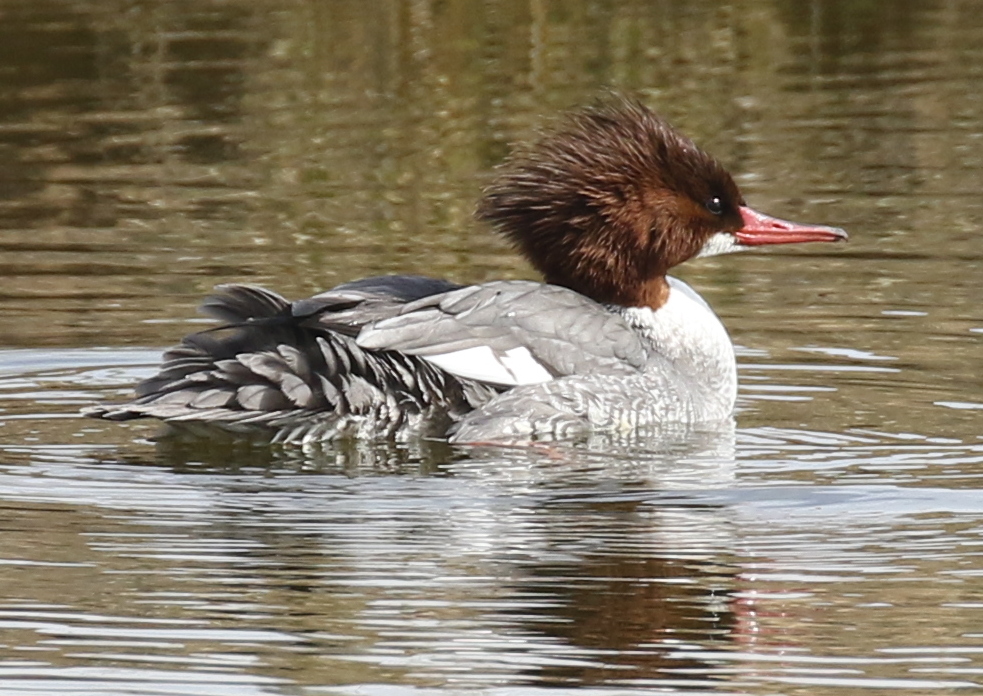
{"x": 729, "y": 563}
{"x": 831, "y": 542}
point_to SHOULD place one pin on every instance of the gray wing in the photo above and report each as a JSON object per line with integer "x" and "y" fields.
{"x": 509, "y": 333}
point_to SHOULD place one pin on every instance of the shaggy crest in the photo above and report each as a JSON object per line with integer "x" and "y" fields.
{"x": 610, "y": 200}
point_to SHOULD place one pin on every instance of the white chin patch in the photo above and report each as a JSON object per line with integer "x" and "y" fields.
{"x": 720, "y": 243}
{"x": 481, "y": 363}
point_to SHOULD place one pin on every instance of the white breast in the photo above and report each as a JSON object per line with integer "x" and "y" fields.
{"x": 686, "y": 331}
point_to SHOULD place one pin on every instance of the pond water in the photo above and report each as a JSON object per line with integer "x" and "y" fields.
{"x": 831, "y": 544}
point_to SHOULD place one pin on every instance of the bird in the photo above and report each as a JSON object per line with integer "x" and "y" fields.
{"x": 603, "y": 205}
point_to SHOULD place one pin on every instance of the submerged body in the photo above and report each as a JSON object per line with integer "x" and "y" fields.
{"x": 603, "y": 208}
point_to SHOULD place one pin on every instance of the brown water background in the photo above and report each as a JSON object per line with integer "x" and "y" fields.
{"x": 150, "y": 150}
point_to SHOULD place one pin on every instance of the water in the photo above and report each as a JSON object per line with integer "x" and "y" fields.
{"x": 830, "y": 544}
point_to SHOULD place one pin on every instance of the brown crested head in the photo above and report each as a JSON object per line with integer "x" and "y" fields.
{"x": 610, "y": 200}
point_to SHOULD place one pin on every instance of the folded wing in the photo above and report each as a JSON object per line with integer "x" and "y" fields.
{"x": 510, "y": 333}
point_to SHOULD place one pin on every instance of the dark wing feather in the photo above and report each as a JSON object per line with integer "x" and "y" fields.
{"x": 235, "y": 304}
{"x": 275, "y": 363}
{"x": 350, "y": 306}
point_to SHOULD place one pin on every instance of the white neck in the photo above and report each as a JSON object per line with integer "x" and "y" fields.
{"x": 687, "y": 333}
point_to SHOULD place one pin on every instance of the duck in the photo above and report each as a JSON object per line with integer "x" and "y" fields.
{"x": 603, "y": 205}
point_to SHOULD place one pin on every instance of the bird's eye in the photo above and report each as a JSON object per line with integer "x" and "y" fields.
{"x": 715, "y": 205}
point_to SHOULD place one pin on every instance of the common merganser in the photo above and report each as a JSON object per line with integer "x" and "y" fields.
{"x": 603, "y": 206}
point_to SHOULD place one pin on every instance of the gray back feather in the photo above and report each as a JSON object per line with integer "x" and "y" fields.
{"x": 565, "y": 332}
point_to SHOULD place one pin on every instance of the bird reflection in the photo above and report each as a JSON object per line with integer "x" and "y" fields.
{"x": 602, "y": 561}
{"x": 626, "y": 615}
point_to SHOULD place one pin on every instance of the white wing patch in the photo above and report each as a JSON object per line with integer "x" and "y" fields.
{"x": 513, "y": 367}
